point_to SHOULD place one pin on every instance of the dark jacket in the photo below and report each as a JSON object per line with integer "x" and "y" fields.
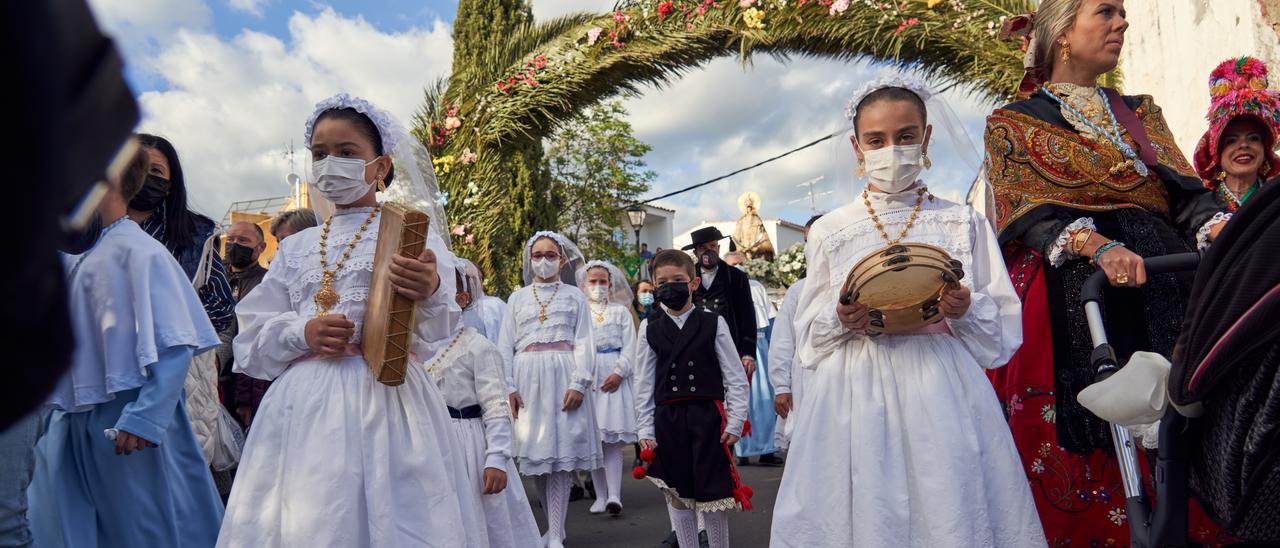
{"x": 730, "y": 297}
{"x": 240, "y": 390}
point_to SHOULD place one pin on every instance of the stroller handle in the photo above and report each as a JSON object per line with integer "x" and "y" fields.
{"x": 1092, "y": 290}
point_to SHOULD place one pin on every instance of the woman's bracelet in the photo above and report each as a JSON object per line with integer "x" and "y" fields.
{"x": 1079, "y": 239}
{"x": 1103, "y": 249}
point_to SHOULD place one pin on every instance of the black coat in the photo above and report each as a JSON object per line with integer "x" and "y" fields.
{"x": 730, "y": 297}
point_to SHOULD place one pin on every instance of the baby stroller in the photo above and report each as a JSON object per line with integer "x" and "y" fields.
{"x": 1220, "y": 436}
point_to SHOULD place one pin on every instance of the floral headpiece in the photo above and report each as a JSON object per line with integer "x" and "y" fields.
{"x": 1020, "y": 27}
{"x": 388, "y": 127}
{"x": 1238, "y": 87}
{"x": 892, "y": 80}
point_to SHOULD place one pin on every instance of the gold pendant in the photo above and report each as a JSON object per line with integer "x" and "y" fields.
{"x": 326, "y": 298}
{"x": 542, "y": 318}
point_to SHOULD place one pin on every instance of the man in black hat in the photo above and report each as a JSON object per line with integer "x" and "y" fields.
{"x": 725, "y": 291}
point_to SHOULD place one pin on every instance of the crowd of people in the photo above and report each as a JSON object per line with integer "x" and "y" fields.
{"x": 966, "y": 432}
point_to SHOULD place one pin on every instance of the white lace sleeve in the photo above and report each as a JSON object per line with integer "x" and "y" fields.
{"x": 1202, "y": 235}
{"x": 1059, "y": 252}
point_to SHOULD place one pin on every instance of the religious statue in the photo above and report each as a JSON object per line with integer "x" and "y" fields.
{"x": 749, "y": 234}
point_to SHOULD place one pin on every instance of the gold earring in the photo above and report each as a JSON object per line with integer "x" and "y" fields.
{"x": 1066, "y": 51}
{"x": 1222, "y": 174}
{"x": 861, "y": 171}
{"x": 927, "y": 162}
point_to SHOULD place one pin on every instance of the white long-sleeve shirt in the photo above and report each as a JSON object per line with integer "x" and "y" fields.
{"x": 782, "y": 345}
{"x": 735, "y": 377}
{"x": 470, "y": 373}
{"x": 568, "y": 320}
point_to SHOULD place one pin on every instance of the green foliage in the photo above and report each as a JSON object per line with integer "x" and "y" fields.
{"x": 597, "y": 166}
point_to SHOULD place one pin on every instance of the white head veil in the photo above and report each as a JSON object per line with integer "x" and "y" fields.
{"x": 619, "y": 289}
{"x": 415, "y": 183}
{"x": 568, "y": 251}
{"x": 470, "y": 274}
{"x": 958, "y": 146}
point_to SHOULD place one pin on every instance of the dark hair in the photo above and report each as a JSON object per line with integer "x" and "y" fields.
{"x": 812, "y": 220}
{"x": 365, "y": 126}
{"x": 261, "y": 237}
{"x": 135, "y": 174}
{"x": 296, "y": 220}
{"x": 889, "y": 94}
{"x": 179, "y": 222}
{"x": 674, "y": 257}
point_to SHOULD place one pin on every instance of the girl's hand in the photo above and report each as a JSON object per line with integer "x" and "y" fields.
{"x": 648, "y": 444}
{"x": 782, "y": 405}
{"x": 611, "y": 384}
{"x": 1124, "y": 268}
{"x": 494, "y": 481}
{"x": 415, "y": 278}
{"x": 516, "y": 403}
{"x": 853, "y": 316}
{"x": 127, "y": 443}
{"x": 954, "y": 303}
{"x": 728, "y": 439}
{"x": 328, "y": 335}
{"x": 572, "y": 400}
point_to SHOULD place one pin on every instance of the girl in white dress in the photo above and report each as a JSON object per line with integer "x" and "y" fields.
{"x": 900, "y": 440}
{"x": 469, "y": 373}
{"x": 549, "y": 357}
{"x": 614, "y": 332}
{"x": 336, "y": 458}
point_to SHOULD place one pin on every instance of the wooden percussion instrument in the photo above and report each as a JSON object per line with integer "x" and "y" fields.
{"x": 901, "y": 285}
{"x": 389, "y": 316}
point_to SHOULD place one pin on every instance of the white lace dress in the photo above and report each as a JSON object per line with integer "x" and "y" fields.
{"x": 334, "y": 457}
{"x": 900, "y": 440}
{"x": 470, "y": 374}
{"x": 543, "y": 360}
{"x": 615, "y": 339}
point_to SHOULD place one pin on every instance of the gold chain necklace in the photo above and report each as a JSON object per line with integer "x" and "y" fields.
{"x": 432, "y": 368}
{"x": 599, "y": 315}
{"x": 1090, "y": 110}
{"x": 542, "y": 307}
{"x": 327, "y": 297}
{"x": 910, "y": 221}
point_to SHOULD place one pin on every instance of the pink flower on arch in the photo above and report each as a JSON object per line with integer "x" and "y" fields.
{"x": 838, "y": 7}
{"x": 593, "y": 35}
{"x": 747, "y": 3}
{"x": 906, "y": 24}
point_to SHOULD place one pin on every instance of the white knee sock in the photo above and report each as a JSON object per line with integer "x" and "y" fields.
{"x": 598, "y": 478}
{"x": 612, "y": 471}
{"x": 717, "y": 528}
{"x": 702, "y": 523}
{"x": 685, "y": 525}
{"x": 557, "y": 503}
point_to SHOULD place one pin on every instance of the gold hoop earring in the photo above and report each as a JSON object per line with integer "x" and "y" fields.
{"x": 1066, "y": 51}
{"x": 927, "y": 162}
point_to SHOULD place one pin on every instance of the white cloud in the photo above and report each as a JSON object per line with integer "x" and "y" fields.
{"x": 233, "y": 105}
{"x": 546, "y": 9}
{"x": 140, "y": 26}
{"x": 252, "y": 7}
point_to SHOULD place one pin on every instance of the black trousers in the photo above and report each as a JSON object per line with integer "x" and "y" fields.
{"x": 690, "y": 457}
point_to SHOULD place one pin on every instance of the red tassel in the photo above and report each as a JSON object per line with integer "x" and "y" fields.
{"x": 746, "y": 429}
{"x": 648, "y": 455}
{"x": 743, "y": 495}
{"x": 639, "y": 472}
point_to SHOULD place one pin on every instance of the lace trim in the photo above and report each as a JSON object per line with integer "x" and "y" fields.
{"x": 1202, "y": 235}
{"x": 1059, "y": 252}
{"x": 681, "y": 503}
{"x": 496, "y": 408}
{"x": 299, "y": 295}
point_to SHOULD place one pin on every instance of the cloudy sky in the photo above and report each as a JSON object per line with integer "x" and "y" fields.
{"x": 231, "y": 83}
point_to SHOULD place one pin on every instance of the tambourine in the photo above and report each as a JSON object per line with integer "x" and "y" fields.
{"x": 901, "y": 285}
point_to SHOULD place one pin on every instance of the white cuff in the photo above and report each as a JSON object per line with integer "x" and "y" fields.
{"x": 1060, "y": 250}
{"x": 1202, "y": 235}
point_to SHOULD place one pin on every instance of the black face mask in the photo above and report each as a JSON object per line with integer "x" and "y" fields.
{"x": 75, "y": 242}
{"x": 239, "y": 256}
{"x": 709, "y": 259}
{"x": 152, "y": 194}
{"x": 673, "y": 295}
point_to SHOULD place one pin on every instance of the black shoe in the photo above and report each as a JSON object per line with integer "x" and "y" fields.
{"x": 613, "y": 508}
{"x": 671, "y": 541}
{"x": 576, "y": 493}
{"x": 771, "y": 460}
{"x": 743, "y": 461}
{"x": 702, "y": 540}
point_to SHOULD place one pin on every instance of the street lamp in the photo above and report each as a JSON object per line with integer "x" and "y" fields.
{"x": 636, "y": 215}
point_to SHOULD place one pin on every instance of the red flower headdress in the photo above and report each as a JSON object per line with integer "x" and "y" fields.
{"x": 1238, "y": 87}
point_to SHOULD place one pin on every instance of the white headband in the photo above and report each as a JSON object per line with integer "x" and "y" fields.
{"x": 892, "y": 80}
{"x": 387, "y": 126}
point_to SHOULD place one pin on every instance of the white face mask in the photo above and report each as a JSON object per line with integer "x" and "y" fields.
{"x": 598, "y": 293}
{"x": 893, "y": 168}
{"x": 545, "y": 268}
{"x": 341, "y": 180}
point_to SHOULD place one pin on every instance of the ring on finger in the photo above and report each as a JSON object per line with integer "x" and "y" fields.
{"x": 1122, "y": 278}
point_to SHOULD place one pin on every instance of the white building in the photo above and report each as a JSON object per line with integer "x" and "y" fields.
{"x": 782, "y": 233}
{"x": 656, "y": 229}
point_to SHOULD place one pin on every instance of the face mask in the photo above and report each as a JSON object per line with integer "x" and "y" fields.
{"x": 341, "y": 180}
{"x": 709, "y": 259}
{"x": 645, "y": 299}
{"x": 239, "y": 256}
{"x": 673, "y": 295}
{"x": 598, "y": 293}
{"x": 893, "y": 168}
{"x": 151, "y": 195}
{"x": 545, "y": 268}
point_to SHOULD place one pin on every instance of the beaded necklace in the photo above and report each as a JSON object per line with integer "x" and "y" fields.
{"x": 327, "y": 297}
{"x": 542, "y": 307}
{"x": 1131, "y": 157}
{"x": 875, "y": 219}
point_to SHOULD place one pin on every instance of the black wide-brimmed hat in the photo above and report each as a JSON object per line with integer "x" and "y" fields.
{"x": 704, "y": 235}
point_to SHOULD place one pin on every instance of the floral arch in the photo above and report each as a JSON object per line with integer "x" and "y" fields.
{"x": 513, "y": 94}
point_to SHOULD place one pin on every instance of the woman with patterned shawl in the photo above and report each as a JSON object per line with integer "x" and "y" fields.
{"x": 1084, "y": 178}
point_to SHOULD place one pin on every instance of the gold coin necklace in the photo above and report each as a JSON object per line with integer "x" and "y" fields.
{"x": 875, "y": 219}
{"x": 327, "y": 298}
{"x": 542, "y": 307}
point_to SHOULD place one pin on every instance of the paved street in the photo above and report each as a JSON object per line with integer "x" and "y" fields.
{"x": 643, "y": 522}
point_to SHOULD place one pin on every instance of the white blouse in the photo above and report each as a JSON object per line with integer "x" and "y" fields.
{"x": 782, "y": 343}
{"x": 274, "y": 315}
{"x": 991, "y": 329}
{"x": 616, "y": 332}
{"x": 470, "y": 373}
{"x": 568, "y": 320}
